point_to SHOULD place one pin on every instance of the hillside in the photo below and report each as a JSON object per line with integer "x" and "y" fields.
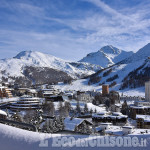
{"x": 13, "y": 69}
{"x": 142, "y": 53}
{"x": 130, "y": 73}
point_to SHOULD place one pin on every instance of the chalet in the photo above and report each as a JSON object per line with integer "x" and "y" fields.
{"x": 139, "y": 108}
{"x": 143, "y": 121}
{"x": 131, "y": 98}
{"x": 78, "y": 125}
{"x": 32, "y": 92}
{"x": 3, "y": 114}
{"x": 46, "y": 93}
{"x": 22, "y": 91}
{"x": 109, "y": 129}
{"x": 116, "y": 108}
{"x": 115, "y": 118}
{"x": 83, "y": 96}
{"x": 69, "y": 94}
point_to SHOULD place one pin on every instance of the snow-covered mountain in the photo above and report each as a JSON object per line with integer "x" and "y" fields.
{"x": 142, "y": 53}
{"x": 15, "y": 67}
{"x": 129, "y": 73}
{"x": 106, "y": 56}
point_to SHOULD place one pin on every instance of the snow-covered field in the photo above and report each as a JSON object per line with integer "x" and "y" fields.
{"x": 82, "y": 85}
{"x": 12, "y": 138}
{"x": 78, "y": 85}
{"x": 89, "y": 105}
{"x": 134, "y": 92}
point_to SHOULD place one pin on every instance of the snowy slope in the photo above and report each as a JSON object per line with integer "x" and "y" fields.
{"x": 132, "y": 72}
{"x": 106, "y": 56}
{"x": 14, "y": 66}
{"x": 16, "y": 139}
{"x": 127, "y": 75}
{"x": 142, "y": 53}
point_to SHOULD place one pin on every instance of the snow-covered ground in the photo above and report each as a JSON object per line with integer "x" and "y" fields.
{"x": 12, "y": 138}
{"x": 5, "y": 100}
{"x": 82, "y": 85}
{"x": 134, "y": 92}
{"x": 77, "y": 85}
{"x": 89, "y": 105}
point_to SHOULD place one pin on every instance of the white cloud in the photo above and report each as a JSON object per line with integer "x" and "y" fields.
{"x": 127, "y": 28}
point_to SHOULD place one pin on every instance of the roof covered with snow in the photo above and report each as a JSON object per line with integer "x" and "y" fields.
{"x": 70, "y": 124}
{"x": 3, "y": 113}
{"x": 128, "y": 127}
{"x": 145, "y": 117}
{"x": 109, "y": 116}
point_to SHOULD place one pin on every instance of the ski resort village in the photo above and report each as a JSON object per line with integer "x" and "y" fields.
{"x": 74, "y": 74}
{"x": 112, "y": 102}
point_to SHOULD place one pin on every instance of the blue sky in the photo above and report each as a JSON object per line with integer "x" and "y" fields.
{"x": 70, "y": 29}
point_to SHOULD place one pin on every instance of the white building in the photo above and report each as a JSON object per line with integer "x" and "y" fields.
{"x": 127, "y": 129}
{"x": 105, "y": 126}
{"x": 147, "y": 91}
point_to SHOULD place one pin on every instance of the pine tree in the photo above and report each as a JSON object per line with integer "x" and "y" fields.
{"x": 61, "y": 109}
{"x": 125, "y": 109}
{"x": 67, "y": 108}
{"x": 60, "y": 123}
{"x": 8, "y": 115}
{"x": 17, "y": 117}
{"x": 78, "y": 109}
{"x": 85, "y": 109}
{"x": 30, "y": 116}
{"x": 49, "y": 108}
{"x": 91, "y": 111}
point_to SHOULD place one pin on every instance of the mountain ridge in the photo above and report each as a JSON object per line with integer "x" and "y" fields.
{"x": 106, "y": 56}
{"x": 132, "y": 72}
{"x": 13, "y": 68}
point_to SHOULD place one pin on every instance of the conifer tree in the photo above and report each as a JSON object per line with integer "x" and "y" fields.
{"x": 86, "y": 109}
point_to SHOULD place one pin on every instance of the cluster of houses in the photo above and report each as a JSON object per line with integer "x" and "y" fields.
{"x": 116, "y": 115}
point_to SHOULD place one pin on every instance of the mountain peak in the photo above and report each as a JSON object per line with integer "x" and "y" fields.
{"x": 23, "y": 54}
{"x": 109, "y": 49}
{"x": 106, "y": 56}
